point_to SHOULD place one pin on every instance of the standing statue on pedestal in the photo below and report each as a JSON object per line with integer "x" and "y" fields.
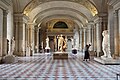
{"x": 47, "y": 45}
{"x": 61, "y": 44}
{"x": 12, "y": 45}
{"x": 10, "y": 58}
{"x": 105, "y": 45}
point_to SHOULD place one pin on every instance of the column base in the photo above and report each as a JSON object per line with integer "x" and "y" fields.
{"x": 21, "y": 53}
{"x": 107, "y": 61}
{"x": 47, "y": 50}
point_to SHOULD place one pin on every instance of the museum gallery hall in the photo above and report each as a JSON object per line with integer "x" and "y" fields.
{"x": 59, "y": 39}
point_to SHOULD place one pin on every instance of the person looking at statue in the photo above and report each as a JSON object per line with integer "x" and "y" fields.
{"x": 87, "y": 55}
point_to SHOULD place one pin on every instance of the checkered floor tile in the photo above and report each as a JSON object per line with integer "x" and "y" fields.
{"x": 43, "y": 67}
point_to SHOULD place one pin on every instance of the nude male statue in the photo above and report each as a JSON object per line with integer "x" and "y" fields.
{"x": 105, "y": 45}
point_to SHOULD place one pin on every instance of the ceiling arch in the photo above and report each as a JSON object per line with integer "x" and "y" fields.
{"x": 61, "y": 9}
{"x": 87, "y": 3}
{"x": 59, "y": 16}
{"x": 67, "y": 5}
{"x": 67, "y": 13}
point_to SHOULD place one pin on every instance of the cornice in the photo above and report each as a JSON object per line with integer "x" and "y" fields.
{"x": 113, "y": 2}
{"x": 7, "y": 2}
{"x": 3, "y": 6}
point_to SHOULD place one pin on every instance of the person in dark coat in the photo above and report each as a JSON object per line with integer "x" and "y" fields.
{"x": 87, "y": 55}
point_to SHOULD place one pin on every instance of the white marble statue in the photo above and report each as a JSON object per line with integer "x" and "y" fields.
{"x": 61, "y": 44}
{"x": 12, "y": 45}
{"x": 47, "y": 43}
{"x": 10, "y": 58}
{"x": 105, "y": 45}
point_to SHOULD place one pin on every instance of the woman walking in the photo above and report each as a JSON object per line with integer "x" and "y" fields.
{"x": 87, "y": 55}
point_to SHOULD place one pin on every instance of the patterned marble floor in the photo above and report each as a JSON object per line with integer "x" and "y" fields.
{"x": 42, "y": 67}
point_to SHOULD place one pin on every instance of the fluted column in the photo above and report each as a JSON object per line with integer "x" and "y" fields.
{"x": 4, "y": 40}
{"x": 119, "y": 30}
{"x": 20, "y": 34}
{"x": 1, "y": 29}
{"x": 89, "y": 34}
{"x": 56, "y": 43}
{"x": 85, "y": 37}
{"x": 31, "y": 37}
{"x": 99, "y": 36}
{"x": 92, "y": 34}
{"x": 37, "y": 39}
{"x": 81, "y": 39}
{"x": 111, "y": 29}
{"x": 24, "y": 38}
{"x": 116, "y": 33}
{"x": 95, "y": 39}
{"x": 21, "y": 42}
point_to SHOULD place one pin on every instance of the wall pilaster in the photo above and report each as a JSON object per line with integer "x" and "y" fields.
{"x": 116, "y": 33}
{"x": 4, "y": 40}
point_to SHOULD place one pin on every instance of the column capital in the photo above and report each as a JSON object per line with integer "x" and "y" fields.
{"x": 5, "y": 12}
{"x": 30, "y": 23}
{"x": 116, "y": 13}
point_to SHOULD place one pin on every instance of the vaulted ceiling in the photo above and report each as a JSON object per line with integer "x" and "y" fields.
{"x": 78, "y": 11}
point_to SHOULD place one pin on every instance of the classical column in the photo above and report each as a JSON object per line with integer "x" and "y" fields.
{"x": 99, "y": 37}
{"x": 31, "y": 37}
{"x": 24, "y": 38}
{"x": 37, "y": 39}
{"x": 111, "y": 29}
{"x": 89, "y": 34}
{"x": 119, "y": 30}
{"x": 92, "y": 34}
{"x": 116, "y": 33}
{"x": 56, "y": 42}
{"x": 95, "y": 39}
{"x": 1, "y": 29}
{"x": 20, "y": 34}
{"x": 81, "y": 39}
{"x": 4, "y": 40}
{"x": 21, "y": 39}
{"x": 85, "y": 37}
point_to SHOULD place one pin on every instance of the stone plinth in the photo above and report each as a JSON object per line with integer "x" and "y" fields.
{"x": 74, "y": 51}
{"x": 9, "y": 59}
{"x": 107, "y": 61}
{"x": 60, "y": 55}
{"x": 47, "y": 50}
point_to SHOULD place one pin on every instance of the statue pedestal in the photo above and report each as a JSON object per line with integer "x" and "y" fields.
{"x": 9, "y": 59}
{"x": 74, "y": 51}
{"x": 47, "y": 49}
{"x": 60, "y": 55}
{"x": 107, "y": 60}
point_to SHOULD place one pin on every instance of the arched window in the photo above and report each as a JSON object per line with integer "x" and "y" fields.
{"x": 61, "y": 25}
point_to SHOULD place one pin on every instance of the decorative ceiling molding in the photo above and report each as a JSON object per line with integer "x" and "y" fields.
{"x": 61, "y": 8}
{"x": 113, "y": 2}
{"x": 7, "y": 2}
{"x": 85, "y": 3}
{"x": 59, "y": 16}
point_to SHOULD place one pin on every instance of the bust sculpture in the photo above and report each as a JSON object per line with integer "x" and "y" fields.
{"x": 105, "y": 45}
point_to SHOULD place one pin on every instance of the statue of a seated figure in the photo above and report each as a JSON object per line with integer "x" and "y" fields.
{"x": 105, "y": 45}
